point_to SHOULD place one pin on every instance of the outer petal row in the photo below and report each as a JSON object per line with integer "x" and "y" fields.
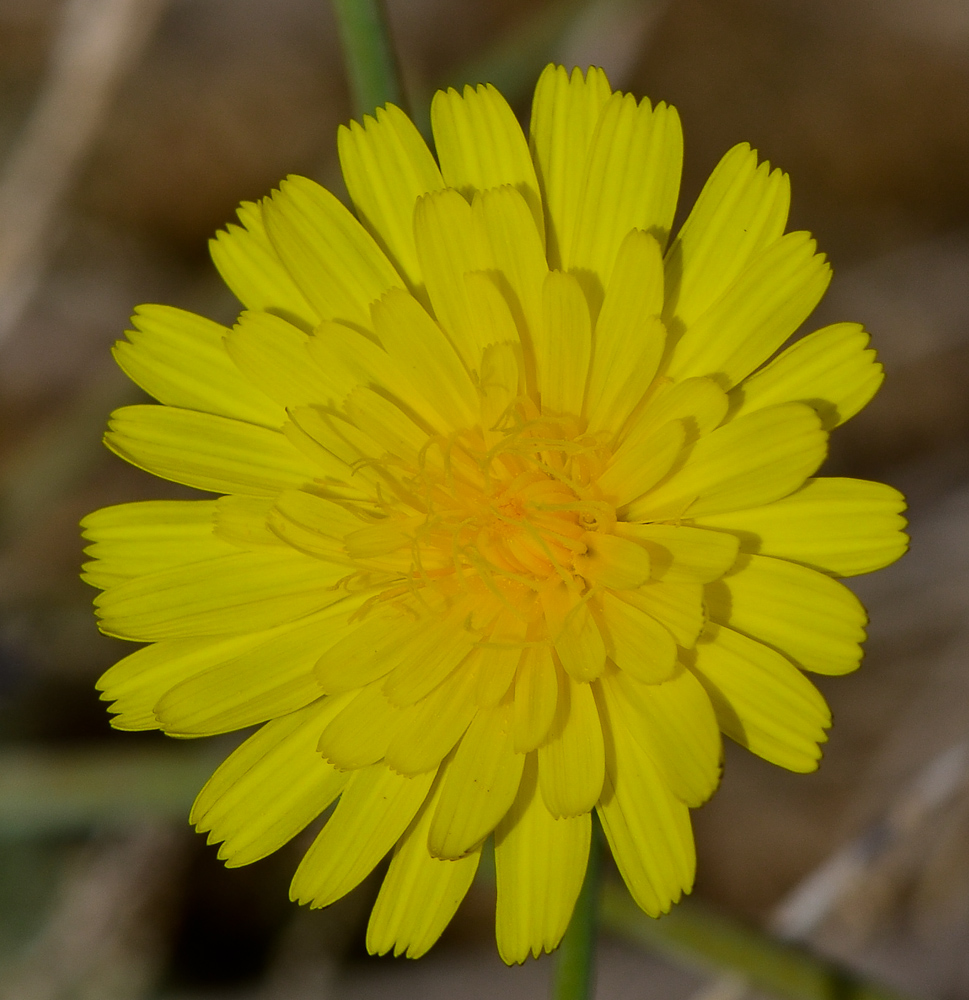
{"x": 388, "y": 167}
{"x": 251, "y": 267}
{"x": 762, "y": 701}
{"x": 606, "y": 165}
{"x": 270, "y": 788}
{"x": 180, "y": 359}
{"x": 840, "y": 526}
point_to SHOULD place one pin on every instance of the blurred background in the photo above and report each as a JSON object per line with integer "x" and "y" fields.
{"x": 129, "y": 131}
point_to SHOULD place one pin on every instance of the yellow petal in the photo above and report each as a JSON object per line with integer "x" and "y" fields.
{"x": 272, "y": 677}
{"x": 313, "y": 525}
{"x": 136, "y": 683}
{"x": 387, "y": 167}
{"x": 250, "y": 266}
{"x": 340, "y": 454}
{"x": 678, "y": 606}
{"x": 420, "y": 893}
{"x": 675, "y": 724}
{"x": 492, "y": 317}
{"x": 334, "y": 462}
{"x": 613, "y": 561}
{"x": 442, "y": 224}
{"x": 571, "y": 762}
{"x": 499, "y": 385}
{"x": 496, "y": 668}
{"x": 829, "y": 369}
{"x": 241, "y": 591}
{"x": 479, "y": 785}
{"x": 635, "y": 641}
{"x": 273, "y": 355}
{"x": 480, "y": 145}
{"x": 181, "y": 360}
{"x": 574, "y": 631}
{"x": 750, "y": 461}
{"x": 672, "y": 415}
{"x": 642, "y": 461}
{"x": 335, "y": 470}
{"x": 770, "y": 299}
{"x": 536, "y": 695}
{"x": 390, "y": 430}
{"x": 741, "y": 210}
{"x": 349, "y": 361}
{"x": 360, "y": 733}
{"x": 509, "y": 245}
{"x": 374, "y": 810}
{"x": 629, "y": 337}
{"x": 346, "y": 359}
{"x": 205, "y": 451}
{"x": 430, "y": 727}
{"x": 841, "y": 526}
{"x": 422, "y": 352}
{"x": 762, "y": 701}
{"x": 540, "y": 864}
{"x": 427, "y": 659}
{"x": 332, "y": 258}
{"x": 699, "y": 402}
{"x": 243, "y": 521}
{"x": 131, "y": 539}
{"x": 386, "y": 545}
{"x": 632, "y": 181}
{"x": 565, "y": 111}
{"x": 270, "y": 788}
{"x": 563, "y": 344}
{"x": 646, "y": 825}
{"x": 809, "y": 617}
{"x": 366, "y": 651}
{"x": 678, "y": 552}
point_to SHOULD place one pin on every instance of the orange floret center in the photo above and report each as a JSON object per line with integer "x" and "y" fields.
{"x": 519, "y": 511}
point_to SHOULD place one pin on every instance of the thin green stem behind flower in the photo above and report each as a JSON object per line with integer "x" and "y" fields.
{"x": 369, "y": 54}
{"x": 574, "y": 977}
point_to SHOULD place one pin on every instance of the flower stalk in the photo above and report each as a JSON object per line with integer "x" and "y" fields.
{"x": 575, "y": 961}
{"x": 369, "y": 54}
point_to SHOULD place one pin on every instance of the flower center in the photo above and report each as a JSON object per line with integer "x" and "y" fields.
{"x": 520, "y": 511}
{"x": 529, "y": 526}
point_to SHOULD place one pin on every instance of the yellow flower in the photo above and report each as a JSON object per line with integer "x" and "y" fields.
{"x": 518, "y": 516}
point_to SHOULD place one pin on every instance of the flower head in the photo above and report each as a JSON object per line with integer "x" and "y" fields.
{"x": 518, "y": 514}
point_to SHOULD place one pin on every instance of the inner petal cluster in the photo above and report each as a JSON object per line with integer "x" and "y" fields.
{"x": 504, "y": 516}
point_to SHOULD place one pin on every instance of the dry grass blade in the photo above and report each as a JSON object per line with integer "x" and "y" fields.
{"x": 96, "y": 42}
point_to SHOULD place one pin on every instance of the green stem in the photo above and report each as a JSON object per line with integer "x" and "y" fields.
{"x": 574, "y": 977}
{"x": 371, "y": 64}
{"x": 696, "y": 936}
